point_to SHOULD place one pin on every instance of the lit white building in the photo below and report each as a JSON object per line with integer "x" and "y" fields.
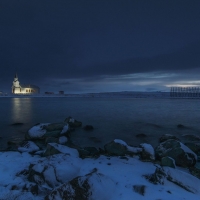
{"x": 23, "y": 89}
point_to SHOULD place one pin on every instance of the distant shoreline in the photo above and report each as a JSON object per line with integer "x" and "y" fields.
{"x": 134, "y": 95}
{"x": 97, "y": 95}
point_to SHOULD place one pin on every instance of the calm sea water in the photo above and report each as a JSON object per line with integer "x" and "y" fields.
{"x": 121, "y": 118}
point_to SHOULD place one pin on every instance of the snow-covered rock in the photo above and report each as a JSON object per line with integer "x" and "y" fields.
{"x": 54, "y": 171}
{"x": 25, "y": 176}
{"x": 180, "y": 178}
{"x": 37, "y": 131}
{"x": 166, "y": 137}
{"x": 54, "y": 148}
{"x": 183, "y": 179}
{"x": 28, "y": 146}
{"x": 120, "y": 148}
{"x": 182, "y": 155}
{"x": 147, "y": 152}
{"x": 91, "y": 186}
{"x": 44, "y": 130}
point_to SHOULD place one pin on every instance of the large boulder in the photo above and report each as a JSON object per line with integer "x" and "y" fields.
{"x": 120, "y": 148}
{"x": 182, "y": 155}
{"x": 91, "y": 186}
{"x": 194, "y": 146}
{"x": 45, "y": 130}
{"x": 54, "y": 171}
{"x": 166, "y": 137}
{"x": 180, "y": 178}
{"x": 191, "y": 137}
{"x": 88, "y": 128}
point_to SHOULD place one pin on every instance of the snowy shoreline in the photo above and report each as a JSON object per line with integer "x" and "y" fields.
{"x": 47, "y": 165}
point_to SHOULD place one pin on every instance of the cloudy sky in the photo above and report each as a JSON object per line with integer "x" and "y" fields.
{"x": 100, "y": 45}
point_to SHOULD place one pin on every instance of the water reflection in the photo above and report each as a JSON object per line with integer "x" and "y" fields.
{"x": 21, "y": 110}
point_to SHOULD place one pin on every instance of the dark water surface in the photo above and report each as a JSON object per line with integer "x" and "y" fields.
{"x": 121, "y": 118}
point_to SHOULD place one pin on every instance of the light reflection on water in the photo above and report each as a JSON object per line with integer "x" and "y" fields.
{"x": 112, "y": 118}
{"x": 21, "y": 109}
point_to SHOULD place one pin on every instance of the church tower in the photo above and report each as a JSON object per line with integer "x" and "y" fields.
{"x": 23, "y": 89}
{"x": 16, "y": 87}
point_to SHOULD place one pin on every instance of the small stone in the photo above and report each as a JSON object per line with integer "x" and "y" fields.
{"x": 141, "y": 135}
{"x": 88, "y": 128}
{"x": 72, "y": 122}
{"x": 180, "y": 126}
{"x": 139, "y": 189}
{"x": 17, "y": 124}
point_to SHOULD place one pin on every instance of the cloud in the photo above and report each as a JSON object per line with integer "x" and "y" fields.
{"x": 98, "y": 45}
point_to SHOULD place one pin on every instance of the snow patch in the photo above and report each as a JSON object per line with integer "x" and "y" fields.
{"x": 120, "y": 142}
{"x": 129, "y": 148}
{"x": 65, "y": 149}
{"x": 65, "y": 129}
{"x": 148, "y": 148}
{"x": 29, "y": 146}
{"x": 38, "y": 130}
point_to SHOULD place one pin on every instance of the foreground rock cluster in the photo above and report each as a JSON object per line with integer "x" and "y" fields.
{"x": 47, "y": 165}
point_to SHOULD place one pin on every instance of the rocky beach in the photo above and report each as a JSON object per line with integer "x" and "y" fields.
{"x": 48, "y": 165}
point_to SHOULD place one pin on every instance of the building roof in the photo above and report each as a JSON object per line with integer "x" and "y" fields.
{"x": 29, "y": 86}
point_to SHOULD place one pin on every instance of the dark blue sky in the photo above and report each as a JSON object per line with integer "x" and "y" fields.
{"x": 100, "y": 45}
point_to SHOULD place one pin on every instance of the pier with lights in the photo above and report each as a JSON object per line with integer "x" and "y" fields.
{"x": 185, "y": 92}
